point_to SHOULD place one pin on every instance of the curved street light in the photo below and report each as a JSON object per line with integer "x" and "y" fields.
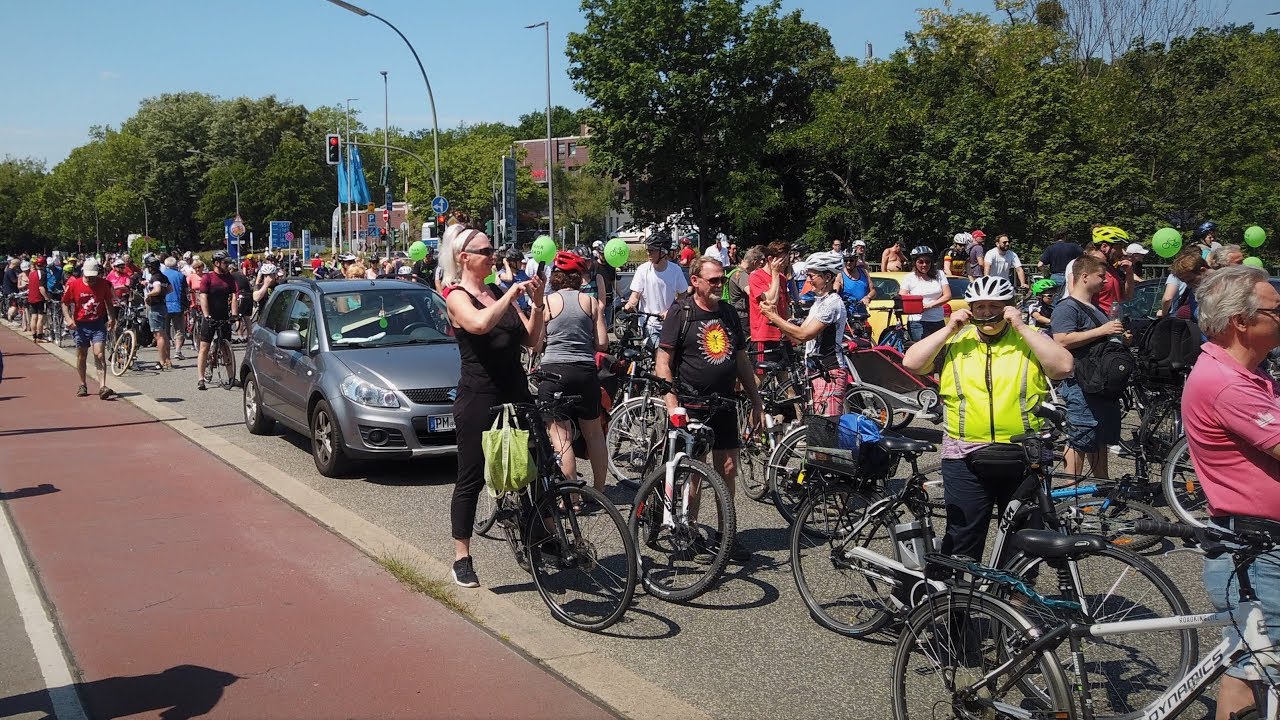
{"x": 435, "y": 126}
{"x": 226, "y": 163}
{"x": 146, "y": 223}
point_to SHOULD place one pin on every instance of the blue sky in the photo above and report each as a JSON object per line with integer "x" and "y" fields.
{"x": 70, "y": 64}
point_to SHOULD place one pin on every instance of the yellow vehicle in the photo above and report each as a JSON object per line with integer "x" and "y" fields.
{"x": 887, "y": 285}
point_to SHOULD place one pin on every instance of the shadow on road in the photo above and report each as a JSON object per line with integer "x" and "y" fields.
{"x": 181, "y": 692}
{"x": 41, "y": 489}
{"x": 641, "y": 624}
{"x": 72, "y": 428}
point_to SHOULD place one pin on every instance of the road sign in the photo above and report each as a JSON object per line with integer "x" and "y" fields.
{"x": 279, "y": 231}
{"x": 439, "y": 205}
{"x": 509, "y": 199}
{"x": 233, "y": 241}
{"x": 306, "y": 245}
{"x": 236, "y": 228}
{"x": 373, "y": 219}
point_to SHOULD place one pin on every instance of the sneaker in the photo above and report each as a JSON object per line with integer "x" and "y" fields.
{"x": 106, "y": 393}
{"x": 181, "y": 356}
{"x": 737, "y": 553}
{"x": 200, "y": 385}
{"x": 464, "y": 573}
{"x": 82, "y": 391}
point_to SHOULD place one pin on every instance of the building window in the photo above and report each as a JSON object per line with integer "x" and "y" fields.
{"x": 573, "y": 149}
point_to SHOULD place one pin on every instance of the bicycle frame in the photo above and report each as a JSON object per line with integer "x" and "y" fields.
{"x": 675, "y": 437}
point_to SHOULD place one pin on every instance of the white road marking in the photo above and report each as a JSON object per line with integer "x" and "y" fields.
{"x": 40, "y": 629}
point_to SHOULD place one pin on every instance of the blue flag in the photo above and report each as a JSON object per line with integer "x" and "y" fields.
{"x": 359, "y": 186}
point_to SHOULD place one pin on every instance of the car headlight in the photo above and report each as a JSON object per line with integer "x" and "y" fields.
{"x": 366, "y": 393}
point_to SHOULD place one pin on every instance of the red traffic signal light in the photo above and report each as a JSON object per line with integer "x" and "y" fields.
{"x": 333, "y": 149}
{"x": 440, "y": 220}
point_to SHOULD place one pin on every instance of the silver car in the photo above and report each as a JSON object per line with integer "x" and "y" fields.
{"x": 367, "y": 369}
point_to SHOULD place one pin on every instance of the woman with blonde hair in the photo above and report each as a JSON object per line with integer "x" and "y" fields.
{"x": 491, "y": 331}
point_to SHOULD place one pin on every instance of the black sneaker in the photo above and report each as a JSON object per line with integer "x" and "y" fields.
{"x": 737, "y": 553}
{"x": 464, "y": 573}
{"x": 201, "y": 386}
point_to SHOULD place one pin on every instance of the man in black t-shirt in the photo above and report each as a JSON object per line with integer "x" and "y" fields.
{"x": 219, "y": 301}
{"x": 244, "y": 301}
{"x": 703, "y": 349}
{"x": 1055, "y": 258}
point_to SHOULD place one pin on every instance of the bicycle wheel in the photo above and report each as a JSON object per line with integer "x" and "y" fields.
{"x": 845, "y": 595}
{"x": 867, "y": 401}
{"x": 682, "y": 547}
{"x": 785, "y": 473}
{"x": 1160, "y": 427}
{"x": 1126, "y": 672}
{"x": 753, "y": 457}
{"x": 223, "y": 360}
{"x": 486, "y": 513}
{"x": 1182, "y": 490}
{"x": 122, "y": 352}
{"x": 952, "y": 641}
{"x": 1106, "y": 517}
{"x": 636, "y": 430}
{"x": 587, "y": 578}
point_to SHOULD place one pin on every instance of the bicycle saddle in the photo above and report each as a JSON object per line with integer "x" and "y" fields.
{"x": 900, "y": 443}
{"x": 768, "y": 366}
{"x": 1053, "y": 545}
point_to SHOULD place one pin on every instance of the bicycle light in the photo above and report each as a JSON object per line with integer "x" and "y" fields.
{"x": 679, "y": 418}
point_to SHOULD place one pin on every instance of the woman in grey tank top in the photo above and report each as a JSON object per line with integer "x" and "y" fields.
{"x": 575, "y": 333}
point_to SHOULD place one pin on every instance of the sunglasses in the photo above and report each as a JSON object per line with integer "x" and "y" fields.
{"x": 485, "y": 251}
{"x": 711, "y": 281}
{"x": 1273, "y": 312}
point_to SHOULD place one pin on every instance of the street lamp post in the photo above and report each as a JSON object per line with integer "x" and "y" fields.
{"x": 386, "y": 154}
{"x": 227, "y": 163}
{"x": 146, "y": 223}
{"x": 551, "y": 208}
{"x": 351, "y": 236}
{"x": 435, "y": 126}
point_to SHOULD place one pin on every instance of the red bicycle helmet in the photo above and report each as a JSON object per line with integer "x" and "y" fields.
{"x": 570, "y": 262}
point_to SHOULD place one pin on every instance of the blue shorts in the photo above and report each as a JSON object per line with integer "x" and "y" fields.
{"x": 1224, "y": 593}
{"x": 1094, "y": 422}
{"x": 87, "y": 333}
{"x": 159, "y": 321}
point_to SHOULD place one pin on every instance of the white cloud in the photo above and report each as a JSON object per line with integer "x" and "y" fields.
{"x": 109, "y": 75}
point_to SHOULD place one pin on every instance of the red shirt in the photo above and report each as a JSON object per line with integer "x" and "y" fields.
{"x": 195, "y": 283}
{"x": 34, "y": 283}
{"x": 758, "y": 282}
{"x": 1110, "y": 292}
{"x": 92, "y": 302}
{"x": 1232, "y": 418}
{"x": 687, "y": 255}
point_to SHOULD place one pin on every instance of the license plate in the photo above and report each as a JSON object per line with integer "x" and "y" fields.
{"x": 439, "y": 423}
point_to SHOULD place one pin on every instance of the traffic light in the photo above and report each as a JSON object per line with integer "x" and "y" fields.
{"x": 488, "y": 228}
{"x": 333, "y": 149}
{"x": 440, "y": 221}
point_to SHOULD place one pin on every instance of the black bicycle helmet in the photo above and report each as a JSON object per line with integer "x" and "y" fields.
{"x": 1205, "y": 228}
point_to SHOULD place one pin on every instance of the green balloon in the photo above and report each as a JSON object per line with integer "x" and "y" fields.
{"x": 491, "y": 279}
{"x": 544, "y": 249}
{"x": 616, "y": 252}
{"x": 1166, "y": 242}
{"x": 1255, "y": 236}
{"x": 1254, "y": 262}
{"x": 417, "y": 251}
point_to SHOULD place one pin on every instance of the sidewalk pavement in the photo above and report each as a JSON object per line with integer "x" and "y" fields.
{"x": 181, "y": 587}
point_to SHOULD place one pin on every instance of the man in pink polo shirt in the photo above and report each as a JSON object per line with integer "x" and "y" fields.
{"x": 1231, "y": 411}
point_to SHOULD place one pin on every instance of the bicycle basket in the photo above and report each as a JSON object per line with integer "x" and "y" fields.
{"x": 827, "y": 449}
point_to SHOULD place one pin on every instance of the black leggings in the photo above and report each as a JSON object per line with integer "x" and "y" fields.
{"x": 471, "y": 417}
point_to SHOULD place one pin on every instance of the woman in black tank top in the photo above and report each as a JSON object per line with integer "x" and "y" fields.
{"x": 491, "y": 331}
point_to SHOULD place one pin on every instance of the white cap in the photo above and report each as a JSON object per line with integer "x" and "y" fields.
{"x": 1135, "y": 249}
{"x": 91, "y": 267}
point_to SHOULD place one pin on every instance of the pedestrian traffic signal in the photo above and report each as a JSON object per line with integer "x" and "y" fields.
{"x": 333, "y": 149}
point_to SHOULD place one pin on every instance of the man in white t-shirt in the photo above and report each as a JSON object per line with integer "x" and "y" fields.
{"x": 656, "y": 284}
{"x": 719, "y": 249}
{"x": 1003, "y": 262}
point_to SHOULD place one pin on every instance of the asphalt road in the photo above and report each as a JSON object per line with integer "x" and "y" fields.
{"x": 747, "y": 649}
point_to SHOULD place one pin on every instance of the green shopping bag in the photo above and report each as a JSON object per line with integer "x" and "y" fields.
{"x": 507, "y": 465}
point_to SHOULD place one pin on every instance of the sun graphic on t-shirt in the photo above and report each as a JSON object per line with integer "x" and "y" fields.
{"x": 716, "y": 347}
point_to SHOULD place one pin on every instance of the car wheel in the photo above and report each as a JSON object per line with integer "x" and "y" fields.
{"x": 254, "y": 418}
{"x": 326, "y": 441}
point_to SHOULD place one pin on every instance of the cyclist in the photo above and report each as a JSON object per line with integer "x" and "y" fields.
{"x": 1109, "y": 246}
{"x": 976, "y": 262}
{"x": 854, "y": 285}
{"x": 822, "y": 333}
{"x": 656, "y": 284}
{"x": 244, "y": 299}
{"x": 491, "y": 334}
{"x": 1000, "y": 261}
{"x": 737, "y": 284}
{"x": 175, "y": 304}
{"x": 218, "y": 303}
{"x": 155, "y": 292}
{"x": 1229, "y": 408}
{"x": 9, "y": 289}
{"x": 929, "y": 283}
{"x": 1039, "y": 307}
{"x": 268, "y": 278}
{"x": 704, "y": 351}
{"x": 1206, "y": 238}
{"x": 993, "y": 370}
{"x": 575, "y": 332}
{"x": 90, "y": 313}
{"x": 119, "y": 277}
{"x": 1224, "y": 255}
{"x": 770, "y": 283}
{"x": 37, "y": 297}
{"x": 955, "y": 259}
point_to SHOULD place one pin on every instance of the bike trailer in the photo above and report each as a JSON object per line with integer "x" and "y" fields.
{"x": 882, "y": 367}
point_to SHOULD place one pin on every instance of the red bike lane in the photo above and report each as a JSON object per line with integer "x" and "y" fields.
{"x": 181, "y": 587}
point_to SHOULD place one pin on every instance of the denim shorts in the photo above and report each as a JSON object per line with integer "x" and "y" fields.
{"x": 1224, "y": 593}
{"x": 159, "y": 321}
{"x": 1094, "y": 422}
{"x": 87, "y": 333}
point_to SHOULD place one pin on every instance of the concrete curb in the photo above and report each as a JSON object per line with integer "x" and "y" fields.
{"x": 553, "y": 646}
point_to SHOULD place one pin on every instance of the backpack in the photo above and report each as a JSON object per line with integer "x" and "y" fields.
{"x": 1168, "y": 349}
{"x": 1105, "y": 368}
{"x": 724, "y": 292}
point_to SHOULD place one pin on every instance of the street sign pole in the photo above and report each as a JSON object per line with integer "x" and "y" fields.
{"x": 509, "y": 198}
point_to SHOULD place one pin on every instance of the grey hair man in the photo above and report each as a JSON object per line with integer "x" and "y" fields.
{"x": 1225, "y": 256}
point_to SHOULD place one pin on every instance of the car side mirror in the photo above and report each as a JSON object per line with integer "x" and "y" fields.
{"x": 289, "y": 340}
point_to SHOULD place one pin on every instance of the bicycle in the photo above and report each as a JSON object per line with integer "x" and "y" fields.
{"x": 682, "y": 544}
{"x": 57, "y": 329}
{"x": 123, "y": 348}
{"x": 995, "y": 659}
{"x": 220, "y": 364}
{"x": 861, "y": 567}
{"x": 1182, "y": 489}
{"x": 582, "y": 563}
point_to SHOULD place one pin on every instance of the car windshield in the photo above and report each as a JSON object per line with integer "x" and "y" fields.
{"x": 885, "y": 287}
{"x": 381, "y": 316}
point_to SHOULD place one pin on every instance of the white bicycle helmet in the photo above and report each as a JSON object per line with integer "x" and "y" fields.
{"x": 989, "y": 288}
{"x": 919, "y": 250}
{"x": 828, "y": 262}
{"x": 962, "y": 238}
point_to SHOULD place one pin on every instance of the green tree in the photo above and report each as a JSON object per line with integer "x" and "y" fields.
{"x": 20, "y": 178}
{"x": 564, "y": 123}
